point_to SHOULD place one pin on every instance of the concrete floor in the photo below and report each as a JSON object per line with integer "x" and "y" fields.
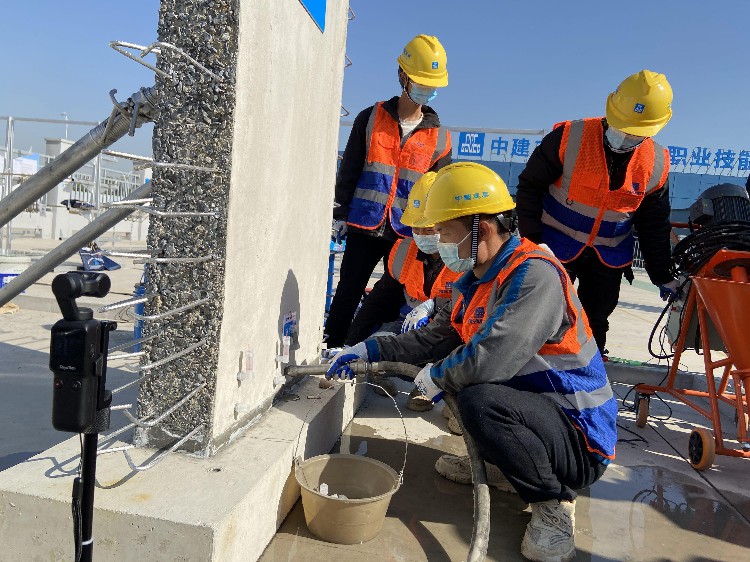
{"x": 650, "y": 505}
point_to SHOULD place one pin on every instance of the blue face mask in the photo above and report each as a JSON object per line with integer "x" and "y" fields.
{"x": 428, "y": 243}
{"x": 422, "y": 95}
{"x": 449, "y": 255}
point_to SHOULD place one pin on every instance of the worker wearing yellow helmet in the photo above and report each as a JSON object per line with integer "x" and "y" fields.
{"x": 517, "y": 350}
{"x": 415, "y": 286}
{"x": 592, "y": 183}
{"x": 390, "y": 146}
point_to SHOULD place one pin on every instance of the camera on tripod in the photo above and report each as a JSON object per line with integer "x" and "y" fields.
{"x": 80, "y": 401}
{"x": 78, "y": 356}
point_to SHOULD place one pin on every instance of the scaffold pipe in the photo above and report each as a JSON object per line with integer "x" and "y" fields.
{"x": 142, "y": 104}
{"x": 69, "y": 247}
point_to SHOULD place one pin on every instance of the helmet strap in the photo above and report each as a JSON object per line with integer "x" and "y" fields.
{"x": 474, "y": 237}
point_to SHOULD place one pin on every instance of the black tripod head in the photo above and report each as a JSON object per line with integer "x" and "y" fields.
{"x": 67, "y": 287}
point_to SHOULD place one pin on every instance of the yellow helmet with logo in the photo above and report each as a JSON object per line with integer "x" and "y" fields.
{"x": 414, "y": 213}
{"x": 463, "y": 189}
{"x": 424, "y": 61}
{"x": 641, "y": 105}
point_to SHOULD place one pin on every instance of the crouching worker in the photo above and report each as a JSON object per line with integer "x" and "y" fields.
{"x": 415, "y": 286}
{"x": 530, "y": 382}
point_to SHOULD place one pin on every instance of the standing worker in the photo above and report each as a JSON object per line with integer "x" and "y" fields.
{"x": 530, "y": 382}
{"x": 391, "y": 145}
{"x": 591, "y": 182}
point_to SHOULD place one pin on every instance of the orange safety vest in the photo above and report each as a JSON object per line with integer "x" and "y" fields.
{"x": 391, "y": 169}
{"x": 409, "y": 271}
{"x": 569, "y": 371}
{"x": 580, "y": 210}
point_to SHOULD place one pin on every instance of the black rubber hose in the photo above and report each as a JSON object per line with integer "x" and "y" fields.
{"x": 480, "y": 534}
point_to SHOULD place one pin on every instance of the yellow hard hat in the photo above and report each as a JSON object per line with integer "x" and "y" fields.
{"x": 464, "y": 189}
{"x": 425, "y": 62}
{"x": 641, "y": 105}
{"x": 414, "y": 213}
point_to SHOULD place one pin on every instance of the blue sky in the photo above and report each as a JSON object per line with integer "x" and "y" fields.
{"x": 521, "y": 64}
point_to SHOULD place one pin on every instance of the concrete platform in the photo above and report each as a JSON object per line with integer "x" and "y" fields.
{"x": 223, "y": 508}
{"x": 650, "y": 505}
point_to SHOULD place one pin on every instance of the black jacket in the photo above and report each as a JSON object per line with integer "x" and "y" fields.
{"x": 353, "y": 162}
{"x": 384, "y": 302}
{"x": 650, "y": 219}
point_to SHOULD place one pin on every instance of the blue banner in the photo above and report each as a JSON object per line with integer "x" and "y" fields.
{"x": 471, "y": 144}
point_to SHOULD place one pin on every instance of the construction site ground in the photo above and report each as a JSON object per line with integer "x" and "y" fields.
{"x": 649, "y": 505}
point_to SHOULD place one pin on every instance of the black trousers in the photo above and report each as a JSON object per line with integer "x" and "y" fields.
{"x": 598, "y": 289}
{"x": 529, "y": 438}
{"x": 362, "y": 254}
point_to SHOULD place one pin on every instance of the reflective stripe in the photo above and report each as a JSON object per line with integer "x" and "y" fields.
{"x": 575, "y": 136}
{"x": 399, "y": 259}
{"x": 581, "y": 400}
{"x": 658, "y": 170}
{"x": 411, "y": 302}
{"x": 379, "y": 168}
{"x": 371, "y": 195}
{"x": 564, "y": 362}
{"x": 441, "y": 145}
{"x": 409, "y": 175}
{"x": 591, "y": 212}
{"x": 581, "y": 237}
{"x": 369, "y": 128}
{"x": 493, "y": 296}
{"x": 400, "y": 203}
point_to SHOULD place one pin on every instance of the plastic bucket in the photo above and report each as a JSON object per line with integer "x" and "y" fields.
{"x": 368, "y": 485}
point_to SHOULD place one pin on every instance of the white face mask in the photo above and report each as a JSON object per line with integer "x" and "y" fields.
{"x": 621, "y": 142}
{"x": 449, "y": 255}
{"x": 428, "y": 243}
{"x": 422, "y": 95}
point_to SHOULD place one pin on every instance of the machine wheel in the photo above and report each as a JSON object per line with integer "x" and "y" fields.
{"x": 701, "y": 449}
{"x": 642, "y": 405}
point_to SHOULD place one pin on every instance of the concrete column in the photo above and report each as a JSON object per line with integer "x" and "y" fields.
{"x": 270, "y": 128}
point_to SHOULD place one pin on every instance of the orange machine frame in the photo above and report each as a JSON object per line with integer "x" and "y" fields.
{"x": 736, "y": 263}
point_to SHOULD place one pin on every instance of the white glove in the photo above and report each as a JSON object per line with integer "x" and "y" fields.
{"x": 669, "y": 290}
{"x": 426, "y": 386}
{"x": 546, "y": 248}
{"x": 339, "y": 229}
{"x": 340, "y": 363}
{"x": 419, "y": 316}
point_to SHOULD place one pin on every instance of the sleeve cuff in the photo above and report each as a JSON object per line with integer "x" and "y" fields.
{"x": 373, "y": 350}
{"x": 437, "y": 376}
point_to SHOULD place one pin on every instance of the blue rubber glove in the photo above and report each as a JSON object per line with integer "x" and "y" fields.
{"x": 419, "y": 316}
{"x": 668, "y": 289}
{"x": 340, "y": 363}
{"x": 426, "y": 386}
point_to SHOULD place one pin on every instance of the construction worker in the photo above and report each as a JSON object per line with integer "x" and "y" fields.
{"x": 591, "y": 183}
{"x": 415, "y": 286}
{"x": 390, "y": 146}
{"x": 530, "y": 382}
